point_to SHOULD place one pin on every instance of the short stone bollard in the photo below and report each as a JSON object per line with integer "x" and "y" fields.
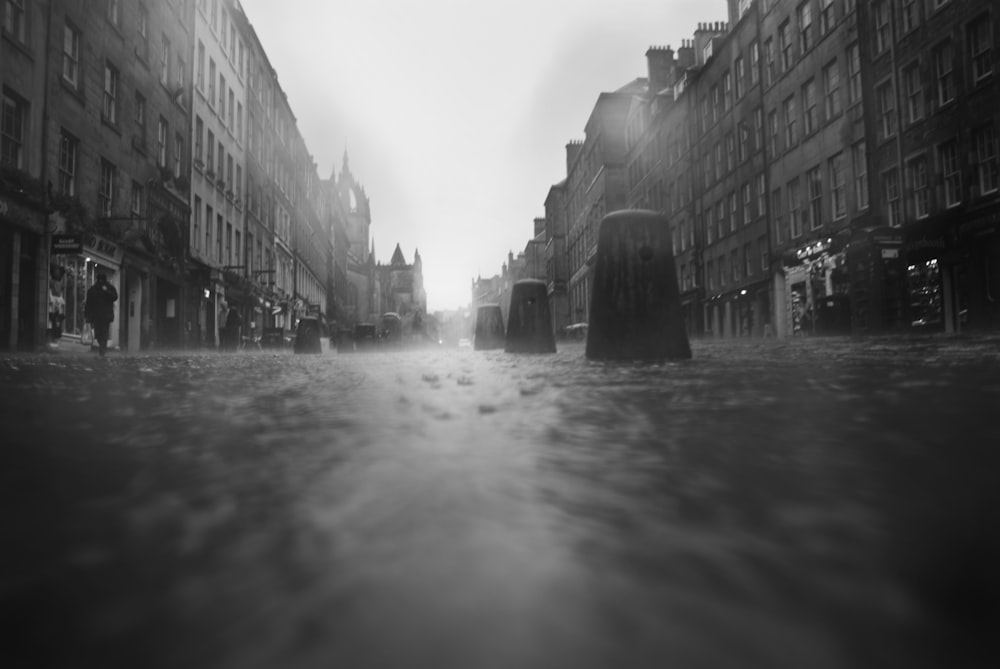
{"x": 489, "y": 328}
{"x": 635, "y": 305}
{"x": 529, "y": 321}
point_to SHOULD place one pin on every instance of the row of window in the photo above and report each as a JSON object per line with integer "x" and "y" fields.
{"x": 942, "y": 166}
{"x": 212, "y": 160}
{"x": 743, "y": 263}
{"x": 940, "y": 71}
{"x": 909, "y": 15}
{"x": 230, "y": 114}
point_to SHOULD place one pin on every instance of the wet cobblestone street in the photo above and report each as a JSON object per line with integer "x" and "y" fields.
{"x": 805, "y": 503}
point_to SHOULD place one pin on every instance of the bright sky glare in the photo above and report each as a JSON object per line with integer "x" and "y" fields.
{"x": 455, "y": 113}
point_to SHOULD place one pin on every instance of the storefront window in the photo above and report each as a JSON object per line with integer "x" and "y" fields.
{"x": 924, "y": 283}
{"x": 80, "y": 275}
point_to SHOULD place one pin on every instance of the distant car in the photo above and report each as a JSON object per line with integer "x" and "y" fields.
{"x": 464, "y": 343}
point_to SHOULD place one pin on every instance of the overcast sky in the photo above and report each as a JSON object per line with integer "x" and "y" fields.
{"x": 456, "y": 113}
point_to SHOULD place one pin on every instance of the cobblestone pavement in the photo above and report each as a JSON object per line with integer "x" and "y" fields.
{"x": 805, "y": 503}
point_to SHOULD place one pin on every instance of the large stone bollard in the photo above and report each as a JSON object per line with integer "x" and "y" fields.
{"x": 635, "y": 306}
{"x": 529, "y": 322}
{"x": 489, "y": 328}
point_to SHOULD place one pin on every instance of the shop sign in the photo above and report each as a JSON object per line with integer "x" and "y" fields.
{"x": 62, "y": 244}
{"x": 890, "y": 253}
{"x": 100, "y": 246}
{"x": 813, "y": 249}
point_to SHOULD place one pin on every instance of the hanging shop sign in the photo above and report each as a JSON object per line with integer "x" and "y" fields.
{"x": 93, "y": 244}
{"x": 63, "y": 244}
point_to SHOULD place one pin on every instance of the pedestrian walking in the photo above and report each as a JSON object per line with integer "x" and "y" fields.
{"x": 232, "y": 328}
{"x": 100, "y": 309}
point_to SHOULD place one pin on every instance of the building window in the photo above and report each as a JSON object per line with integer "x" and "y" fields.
{"x": 218, "y": 238}
{"x": 810, "y": 120}
{"x": 768, "y": 62}
{"x": 106, "y": 189}
{"x": 747, "y": 215}
{"x": 71, "y": 55}
{"x": 758, "y": 128}
{"x": 137, "y": 198}
{"x": 716, "y": 104}
{"x": 710, "y": 274}
{"x": 112, "y": 11}
{"x": 790, "y": 116}
{"x": 199, "y": 130}
{"x": 239, "y": 122}
{"x": 815, "y": 181}
{"x": 944, "y": 72}
{"x": 730, "y": 152}
{"x": 794, "y": 214}
{"x": 740, "y": 69}
{"x": 209, "y": 217}
{"x": 161, "y": 143}
{"x": 210, "y": 153}
{"x": 744, "y": 140}
{"x": 754, "y": 62}
{"x": 220, "y": 165}
{"x": 853, "y": 73}
{"x": 908, "y": 15}
{"x": 110, "y": 108}
{"x": 914, "y": 93}
{"x": 179, "y": 78}
{"x": 916, "y": 170}
{"x": 886, "y": 109}
{"x": 727, "y": 90}
{"x": 747, "y": 260}
{"x": 890, "y": 184}
{"x": 68, "y": 146}
{"x": 12, "y": 132}
{"x": 140, "y": 117}
{"x": 981, "y": 48}
{"x": 232, "y": 110}
{"x": 779, "y": 229}
{"x": 831, "y": 89}
{"x": 211, "y": 82}
{"x": 804, "y": 14}
{"x": 196, "y": 223}
{"x": 239, "y": 182}
{"x": 952, "y": 172}
{"x": 718, "y": 160}
{"x": 772, "y": 125}
{"x": 883, "y": 30}
{"x": 762, "y": 250}
{"x": 859, "y": 156}
{"x": 720, "y": 219}
{"x": 178, "y": 154}
{"x": 229, "y": 243}
{"x": 761, "y": 195}
{"x": 986, "y": 159}
{"x": 838, "y": 189}
{"x": 200, "y": 74}
{"x": 165, "y": 62}
{"x": 733, "y": 212}
{"x": 785, "y": 46}
{"x": 734, "y": 265}
{"x": 826, "y": 18}
{"x": 142, "y": 27}
{"x": 13, "y": 20}
{"x": 222, "y": 97}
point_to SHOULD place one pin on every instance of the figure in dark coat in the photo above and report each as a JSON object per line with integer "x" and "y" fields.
{"x": 100, "y": 309}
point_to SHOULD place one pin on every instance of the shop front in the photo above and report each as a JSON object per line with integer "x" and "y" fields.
{"x": 935, "y": 271}
{"x": 71, "y": 274}
{"x": 814, "y": 289}
{"x": 23, "y": 275}
{"x": 876, "y": 269}
{"x": 977, "y": 282}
